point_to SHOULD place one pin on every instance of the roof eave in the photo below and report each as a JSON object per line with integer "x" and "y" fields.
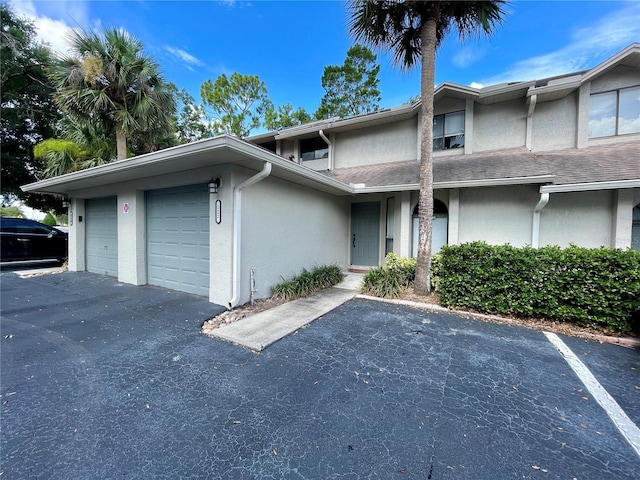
{"x": 590, "y": 186}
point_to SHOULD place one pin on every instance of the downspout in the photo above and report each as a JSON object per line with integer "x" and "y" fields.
{"x": 324, "y": 137}
{"x": 535, "y": 233}
{"x": 533, "y": 99}
{"x": 237, "y": 231}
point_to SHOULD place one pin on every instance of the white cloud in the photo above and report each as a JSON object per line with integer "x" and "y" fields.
{"x": 590, "y": 44}
{"x": 184, "y": 57}
{"x": 50, "y": 30}
{"x": 466, "y": 56}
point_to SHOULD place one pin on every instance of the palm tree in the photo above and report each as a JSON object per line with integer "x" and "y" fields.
{"x": 413, "y": 30}
{"x": 83, "y": 145}
{"x": 108, "y": 79}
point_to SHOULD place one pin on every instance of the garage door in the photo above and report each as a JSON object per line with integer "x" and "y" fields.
{"x": 178, "y": 238}
{"x": 101, "y": 235}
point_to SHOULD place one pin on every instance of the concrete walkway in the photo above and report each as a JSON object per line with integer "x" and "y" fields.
{"x": 264, "y": 328}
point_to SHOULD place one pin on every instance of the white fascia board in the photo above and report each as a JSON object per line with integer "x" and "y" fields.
{"x": 148, "y": 160}
{"x": 360, "y": 121}
{"x": 495, "y": 182}
{"x": 133, "y": 163}
{"x": 611, "y": 62}
{"x": 487, "y": 182}
{"x": 569, "y": 86}
{"x": 585, "y": 187}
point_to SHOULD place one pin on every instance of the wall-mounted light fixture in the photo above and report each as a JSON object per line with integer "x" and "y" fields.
{"x": 65, "y": 203}
{"x": 214, "y": 184}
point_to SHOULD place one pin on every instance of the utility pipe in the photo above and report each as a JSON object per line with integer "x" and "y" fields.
{"x": 324, "y": 137}
{"x": 237, "y": 231}
{"x": 533, "y": 100}
{"x": 535, "y": 231}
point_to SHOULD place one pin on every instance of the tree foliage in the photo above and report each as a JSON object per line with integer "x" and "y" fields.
{"x": 238, "y": 102}
{"x": 11, "y": 211}
{"x": 29, "y": 113}
{"x": 191, "y": 122}
{"x": 351, "y": 88}
{"x": 412, "y": 31}
{"x": 285, "y": 116}
{"x": 109, "y": 80}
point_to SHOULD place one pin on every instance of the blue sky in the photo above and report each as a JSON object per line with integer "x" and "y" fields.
{"x": 288, "y": 43}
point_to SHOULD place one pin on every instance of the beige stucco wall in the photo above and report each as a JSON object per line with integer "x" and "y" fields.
{"x": 583, "y": 218}
{"x": 619, "y": 77}
{"x": 555, "y": 124}
{"x": 501, "y": 125}
{"x": 393, "y": 142}
{"x": 285, "y": 228}
{"x": 497, "y": 215}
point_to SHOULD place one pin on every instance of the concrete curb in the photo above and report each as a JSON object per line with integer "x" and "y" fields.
{"x": 628, "y": 342}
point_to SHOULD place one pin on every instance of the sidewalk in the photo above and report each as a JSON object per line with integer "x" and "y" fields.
{"x": 259, "y": 331}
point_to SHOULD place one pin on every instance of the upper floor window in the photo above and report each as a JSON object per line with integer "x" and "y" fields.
{"x": 614, "y": 113}
{"x": 313, "y": 149}
{"x": 448, "y": 131}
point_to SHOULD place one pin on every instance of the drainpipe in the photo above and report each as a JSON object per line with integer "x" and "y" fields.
{"x": 533, "y": 99}
{"x": 237, "y": 231}
{"x": 535, "y": 233}
{"x": 324, "y": 137}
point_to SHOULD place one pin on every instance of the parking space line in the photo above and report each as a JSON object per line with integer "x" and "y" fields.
{"x": 620, "y": 419}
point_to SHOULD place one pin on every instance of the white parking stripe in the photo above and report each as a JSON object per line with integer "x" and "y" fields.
{"x": 628, "y": 429}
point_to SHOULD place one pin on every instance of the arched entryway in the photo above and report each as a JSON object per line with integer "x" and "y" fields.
{"x": 635, "y": 229}
{"x": 440, "y": 227}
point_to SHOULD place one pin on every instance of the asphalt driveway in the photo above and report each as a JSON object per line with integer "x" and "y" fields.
{"x": 104, "y": 380}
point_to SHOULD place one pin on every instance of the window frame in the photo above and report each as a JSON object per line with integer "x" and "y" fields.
{"x": 318, "y": 153}
{"x": 443, "y": 138}
{"x": 617, "y": 92}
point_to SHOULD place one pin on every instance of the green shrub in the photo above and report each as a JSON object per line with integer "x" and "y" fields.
{"x": 388, "y": 280}
{"x": 49, "y": 220}
{"x": 598, "y": 288}
{"x": 307, "y": 282}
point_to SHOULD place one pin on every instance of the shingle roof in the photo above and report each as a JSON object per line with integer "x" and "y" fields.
{"x": 594, "y": 164}
{"x": 602, "y": 163}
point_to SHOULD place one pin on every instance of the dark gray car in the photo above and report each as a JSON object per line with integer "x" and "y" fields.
{"x": 28, "y": 240}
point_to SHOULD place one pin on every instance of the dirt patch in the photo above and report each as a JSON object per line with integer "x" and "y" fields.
{"x": 241, "y": 312}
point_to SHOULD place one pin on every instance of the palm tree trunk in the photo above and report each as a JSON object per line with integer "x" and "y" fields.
{"x": 121, "y": 143}
{"x": 422, "y": 284}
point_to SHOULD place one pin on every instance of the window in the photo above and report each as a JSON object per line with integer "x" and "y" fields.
{"x": 448, "y": 131}
{"x": 614, "y": 113}
{"x": 313, "y": 149}
{"x": 391, "y": 203}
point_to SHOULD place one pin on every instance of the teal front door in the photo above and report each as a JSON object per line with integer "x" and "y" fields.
{"x": 365, "y": 233}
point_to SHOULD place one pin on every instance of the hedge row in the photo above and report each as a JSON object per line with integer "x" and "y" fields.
{"x": 598, "y": 288}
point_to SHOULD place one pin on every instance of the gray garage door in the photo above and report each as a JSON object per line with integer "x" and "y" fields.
{"x": 101, "y": 235}
{"x": 178, "y": 238}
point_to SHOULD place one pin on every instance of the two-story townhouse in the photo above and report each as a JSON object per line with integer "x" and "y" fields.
{"x": 543, "y": 162}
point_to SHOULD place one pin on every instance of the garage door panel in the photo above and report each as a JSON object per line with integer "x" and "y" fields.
{"x": 101, "y": 235}
{"x": 178, "y": 238}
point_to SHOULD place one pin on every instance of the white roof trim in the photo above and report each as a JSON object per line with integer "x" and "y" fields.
{"x": 488, "y": 182}
{"x": 585, "y": 187}
{"x": 146, "y": 161}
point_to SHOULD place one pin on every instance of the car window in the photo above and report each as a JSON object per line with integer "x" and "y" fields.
{"x": 8, "y": 225}
{"x": 29, "y": 226}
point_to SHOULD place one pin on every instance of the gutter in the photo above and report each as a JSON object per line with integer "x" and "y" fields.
{"x": 487, "y": 182}
{"x": 237, "y": 230}
{"x": 535, "y": 231}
